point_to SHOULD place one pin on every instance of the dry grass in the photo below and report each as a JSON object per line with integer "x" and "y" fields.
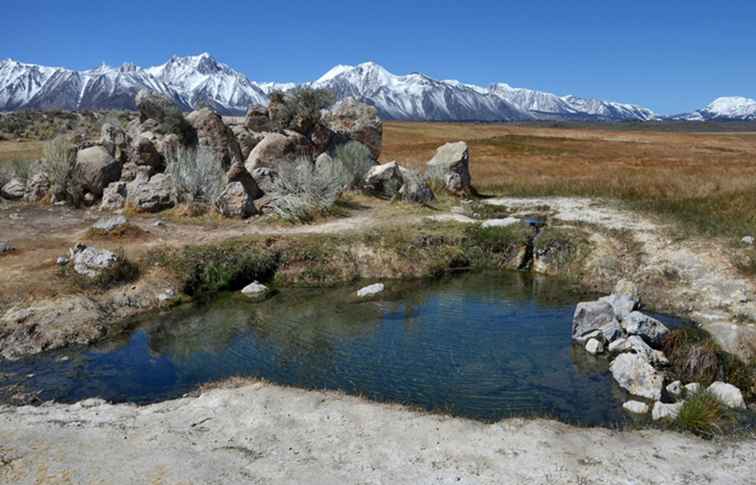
{"x": 705, "y": 180}
{"x": 11, "y": 151}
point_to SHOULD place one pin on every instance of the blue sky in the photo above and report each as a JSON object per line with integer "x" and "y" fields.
{"x": 669, "y": 55}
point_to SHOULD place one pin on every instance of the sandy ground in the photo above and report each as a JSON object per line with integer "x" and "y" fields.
{"x": 261, "y": 433}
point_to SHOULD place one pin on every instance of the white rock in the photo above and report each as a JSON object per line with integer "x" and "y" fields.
{"x": 635, "y": 407}
{"x": 590, "y": 316}
{"x": 654, "y": 357}
{"x": 674, "y": 389}
{"x": 62, "y": 260}
{"x": 370, "y": 290}
{"x": 89, "y": 261}
{"x": 727, "y": 394}
{"x": 594, "y": 346}
{"x": 618, "y": 345}
{"x": 255, "y": 291}
{"x": 692, "y": 388}
{"x": 507, "y": 221}
{"x": 666, "y": 411}
{"x": 747, "y": 240}
{"x": 167, "y": 295}
{"x": 633, "y": 373}
{"x": 651, "y": 329}
{"x": 108, "y": 224}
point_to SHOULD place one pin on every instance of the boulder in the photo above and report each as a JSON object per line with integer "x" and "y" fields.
{"x": 95, "y": 168}
{"x": 238, "y": 173}
{"x": 235, "y": 201}
{"x": 153, "y": 195}
{"x": 617, "y": 346}
{"x": 115, "y": 141}
{"x": 666, "y": 411}
{"x": 248, "y": 140}
{"x": 108, "y": 224}
{"x": 634, "y": 374}
{"x": 152, "y": 106}
{"x": 594, "y": 346}
{"x": 414, "y": 187}
{"x": 674, "y": 389}
{"x": 275, "y": 148}
{"x": 114, "y": 196}
{"x": 611, "y": 331}
{"x": 589, "y": 317}
{"x": 636, "y": 344}
{"x": 635, "y": 407}
{"x": 692, "y": 388}
{"x": 90, "y": 262}
{"x": 37, "y": 187}
{"x": 384, "y": 180}
{"x": 257, "y": 119}
{"x": 256, "y": 291}
{"x": 14, "y": 189}
{"x": 622, "y": 305}
{"x": 351, "y": 120}
{"x": 214, "y": 134}
{"x": 145, "y": 153}
{"x": 370, "y": 290}
{"x": 727, "y": 394}
{"x": 451, "y": 164}
{"x": 651, "y": 329}
{"x": 129, "y": 171}
{"x": 264, "y": 178}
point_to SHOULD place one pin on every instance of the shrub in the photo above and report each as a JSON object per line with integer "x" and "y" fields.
{"x": 302, "y": 191}
{"x": 59, "y": 158}
{"x": 356, "y": 160}
{"x": 21, "y": 169}
{"x": 702, "y": 414}
{"x": 299, "y": 109}
{"x": 174, "y": 122}
{"x": 197, "y": 173}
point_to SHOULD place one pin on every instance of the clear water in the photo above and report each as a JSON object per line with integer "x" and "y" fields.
{"x": 485, "y": 346}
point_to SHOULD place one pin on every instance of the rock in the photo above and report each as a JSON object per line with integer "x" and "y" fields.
{"x": 618, "y": 345}
{"x": 167, "y": 296}
{"x": 635, "y": 407}
{"x": 747, "y": 240}
{"x": 414, "y": 187}
{"x": 692, "y": 388}
{"x": 674, "y": 389}
{"x": 384, "y": 180}
{"x": 90, "y": 261}
{"x": 14, "y": 189}
{"x": 594, "y": 346}
{"x": 6, "y": 247}
{"x": 37, "y": 187}
{"x": 62, "y": 260}
{"x": 627, "y": 288}
{"x": 727, "y": 394}
{"x": 114, "y": 196}
{"x": 256, "y": 291}
{"x": 248, "y": 140}
{"x": 144, "y": 152}
{"x": 95, "y": 168}
{"x": 634, "y": 374}
{"x": 129, "y": 172}
{"x": 214, "y": 134}
{"x": 275, "y": 148}
{"x": 264, "y": 178}
{"x": 352, "y": 120}
{"x": 115, "y": 141}
{"x": 109, "y": 224}
{"x": 153, "y": 196}
{"x": 666, "y": 411}
{"x": 652, "y": 330}
{"x": 321, "y": 138}
{"x": 370, "y": 290}
{"x": 622, "y": 305}
{"x": 235, "y": 201}
{"x": 504, "y": 222}
{"x": 152, "y": 106}
{"x": 257, "y": 119}
{"x": 238, "y": 173}
{"x": 636, "y": 344}
{"x": 589, "y": 317}
{"x": 89, "y": 199}
{"x": 451, "y": 164}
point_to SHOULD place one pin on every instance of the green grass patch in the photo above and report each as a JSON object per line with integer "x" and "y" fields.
{"x": 703, "y": 415}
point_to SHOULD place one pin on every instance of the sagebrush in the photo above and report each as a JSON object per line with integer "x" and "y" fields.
{"x": 356, "y": 159}
{"x": 197, "y": 173}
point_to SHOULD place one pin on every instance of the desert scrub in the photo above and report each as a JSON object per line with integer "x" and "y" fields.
{"x": 198, "y": 175}
{"x": 59, "y": 158}
{"x": 356, "y": 160}
{"x": 702, "y": 414}
{"x": 205, "y": 270}
{"x": 121, "y": 272}
{"x": 299, "y": 108}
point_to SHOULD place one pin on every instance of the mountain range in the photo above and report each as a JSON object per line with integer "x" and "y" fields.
{"x": 193, "y": 81}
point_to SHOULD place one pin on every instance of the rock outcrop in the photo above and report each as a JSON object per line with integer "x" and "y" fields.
{"x": 451, "y": 166}
{"x": 215, "y": 135}
{"x": 352, "y": 120}
{"x": 275, "y": 148}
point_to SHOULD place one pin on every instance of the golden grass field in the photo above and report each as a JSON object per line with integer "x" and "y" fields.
{"x": 707, "y": 181}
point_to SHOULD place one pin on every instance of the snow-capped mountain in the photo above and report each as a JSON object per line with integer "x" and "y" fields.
{"x": 200, "y": 80}
{"x": 732, "y": 108}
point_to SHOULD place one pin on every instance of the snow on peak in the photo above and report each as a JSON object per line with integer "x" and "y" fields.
{"x": 334, "y": 72}
{"x": 732, "y": 107}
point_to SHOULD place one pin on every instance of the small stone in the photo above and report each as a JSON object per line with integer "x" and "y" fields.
{"x": 256, "y": 291}
{"x": 6, "y": 247}
{"x": 727, "y": 394}
{"x": 674, "y": 389}
{"x": 666, "y": 411}
{"x": 62, "y": 260}
{"x": 635, "y": 407}
{"x": 167, "y": 295}
{"x": 747, "y": 240}
{"x": 158, "y": 223}
{"x": 507, "y": 221}
{"x": 594, "y": 346}
{"x": 692, "y": 388}
{"x": 371, "y": 290}
{"x": 108, "y": 224}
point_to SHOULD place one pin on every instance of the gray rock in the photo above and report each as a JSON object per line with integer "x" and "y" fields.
{"x": 611, "y": 331}
{"x": 451, "y": 163}
{"x": 384, "y": 180}
{"x": 634, "y": 374}
{"x": 114, "y": 196}
{"x": 115, "y": 141}
{"x": 622, "y": 305}
{"x": 248, "y": 140}
{"x": 144, "y": 152}
{"x": 276, "y": 148}
{"x": 6, "y": 247}
{"x": 636, "y": 344}
{"x": 62, "y": 260}
{"x": 594, "y": 346}
{"x": 257, "y": 119}
{"x": 627, "y": 288}
{"x": 727, "y": 394}
{"x": 238, "y": 173}
{"x": 692, "y": 388}
{"x": 351, "y": 120}
{"x": 666, "y": 411}
{"x": 236, "y": 202}
{"x": 256, "y": 291}
{"x": 264, "y": 178}
{"x": 370, "y": 290}
{"x": 14, "y": 189}
{"x": 96, "y": 168}
{"x": 215, "y": 135}
{"x": 674, "y": 389}
{"x": 414, "y": 187}
{"x": 589, "y": 317}
{"x": 109, "y": 224}
{"x": 152, "y": 106}
{"x": 90, "y": 261}
{"x": 617, "y": 346}
{"x": 37, "y": 187}
{"x": 153, "y": 196}
{"x": 652, "y": 330}
{"x": 635, "y": 407}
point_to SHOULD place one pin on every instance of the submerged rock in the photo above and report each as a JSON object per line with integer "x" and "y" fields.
{"x": 634, "y": 374}
{"x": 370, "y": 290}
{"x": 589, "y": 317}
